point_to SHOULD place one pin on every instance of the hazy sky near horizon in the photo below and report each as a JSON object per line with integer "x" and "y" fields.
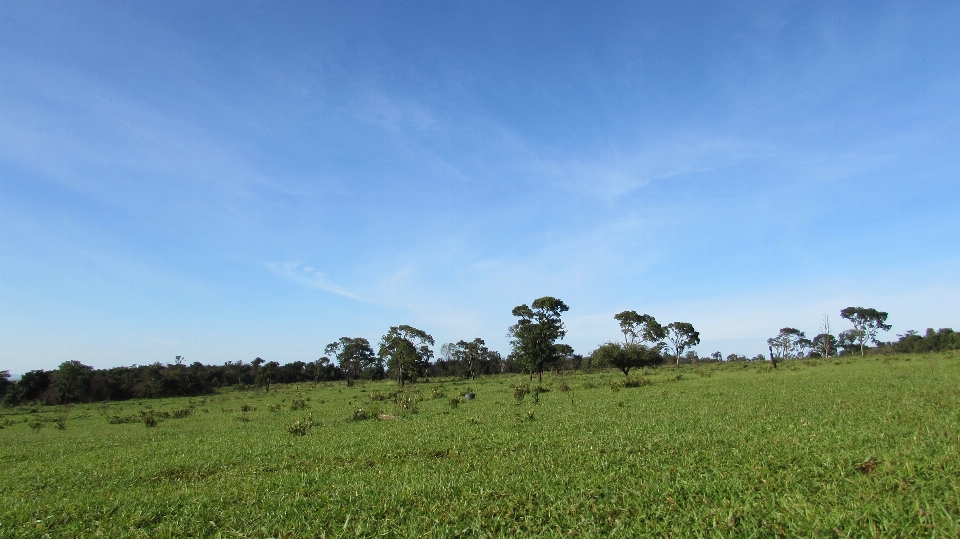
{"x": 227, "y": 180}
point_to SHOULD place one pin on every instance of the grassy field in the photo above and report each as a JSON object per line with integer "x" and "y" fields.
{"x": 851, "y": 448}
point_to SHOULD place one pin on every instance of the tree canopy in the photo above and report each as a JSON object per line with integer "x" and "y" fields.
{"x": 681, "y": 336}
{"x": 407, "y": 352}
{"x": 866, "y": 324}
{"x": 536, "y": 332}
{"x": 354, "y": 355}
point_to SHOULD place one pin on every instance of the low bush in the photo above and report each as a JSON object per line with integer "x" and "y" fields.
{"x": 298, "y": 404}
{"x": 300, "y": 427}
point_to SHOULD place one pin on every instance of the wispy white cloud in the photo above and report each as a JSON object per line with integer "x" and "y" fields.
{"x": 308, "y": 276}
{"x": 392, "y": 113}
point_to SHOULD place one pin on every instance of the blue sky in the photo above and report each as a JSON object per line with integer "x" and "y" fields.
{"x": 227, "y": 180}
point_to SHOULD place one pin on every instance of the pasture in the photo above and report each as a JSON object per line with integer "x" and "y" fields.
{"x": 817, "y": 448}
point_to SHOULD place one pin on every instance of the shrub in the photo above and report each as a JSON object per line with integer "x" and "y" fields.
{"x": 61, "y": 422}
{"x": 376, "y": 395}
{"x": 274, "y": 407}
{"x": 520, "y": 392}
{"x": 36, "y": 424}
{"x": 248, "y": 408}
{"x": 298, "y": 404}
{"x": 436, "y": 393}
{"x": 406, "y": 403}
{"x": 454, "y": 402}
{"x": 182, "y": 412}
{"x": 149, "y": 419}
{"x": 638, "y": 381}
{"x": 361, "y": 415}
{"x": 564, "y": 387}
{"x": 300, "y": 427}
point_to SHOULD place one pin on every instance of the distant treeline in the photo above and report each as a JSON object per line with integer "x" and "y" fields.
{"x": 76, "y": 382}
{"x": 933, "y": 341}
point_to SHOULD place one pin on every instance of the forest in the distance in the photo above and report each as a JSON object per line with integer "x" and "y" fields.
{"x": 406, "y": 355}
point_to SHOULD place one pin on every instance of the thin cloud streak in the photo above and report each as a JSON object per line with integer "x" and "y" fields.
{"x": 307, "y": 276}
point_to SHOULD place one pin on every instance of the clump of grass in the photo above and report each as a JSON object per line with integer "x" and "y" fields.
{"x": 406, "y": 403}
{"x": 275, "y": 407}
{"x": 61, "y": 422}
{"x": 248, "y": 408}
{"x": 564, "y": 386}
{"x": 520, "y": 392}
{"x": 149, "y": 418}
{"x": 635, "y": 381}
{"x": 377, "y": 395}
{"x": 437, "y": 393}
{"x": 300, "y": 427}
{"x": 361, "y": 415}
{"x": 298, "y": 404}
{"x": 180, "y": 413}
{"x": 454, "y": 402}
{"x": 36, "y": 425}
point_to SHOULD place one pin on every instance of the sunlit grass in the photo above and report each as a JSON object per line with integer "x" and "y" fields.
{"x": 853, "y": 448}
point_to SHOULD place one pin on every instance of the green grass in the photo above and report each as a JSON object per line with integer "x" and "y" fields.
{"x": 855, "y": 448}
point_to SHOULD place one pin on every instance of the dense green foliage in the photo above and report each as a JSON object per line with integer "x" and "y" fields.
{"x": 818, "y": 448}
{"x": 943, "y": 340}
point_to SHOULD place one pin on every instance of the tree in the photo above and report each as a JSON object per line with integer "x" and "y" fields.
{"x": 266, "y": 374}
{"x": 866, "y": 324}
{"x": 847, "y": 340}
{"x": 827, "y": 342}
{"x": 407, "y": 351}
{"x": 681, "y": 336}
{"x": 640, "y": 328}
{"x": 565, "y": 353}
{"x": 473, "y": 357}
{"x": 789, "y": 343}
{"x": 5, "y": 383}
{"x": 536, "y": 332}
{"x": 73, "y": 381}
{"x": 354, "y": 355}
{"x": 626, "y": 356}
{"x": 319, "y": 369}
{"x": 825, "y": 345}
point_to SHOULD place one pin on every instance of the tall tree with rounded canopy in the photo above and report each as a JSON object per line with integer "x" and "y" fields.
{"x": 536, "y": 332}
{"x": 866, "y": 324}
{"x": 640, "y": 328}
{"x": 825, "y": 345}
{"x": 353, "y": 355}
{"x": 681, "y": 336}
{"x": 407, "y": 351}
{"x": 473, "y": 356}
{"x": 267, "y": 374}
{"x": 789, "y": 343}
{"x": 73, "y": 379}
